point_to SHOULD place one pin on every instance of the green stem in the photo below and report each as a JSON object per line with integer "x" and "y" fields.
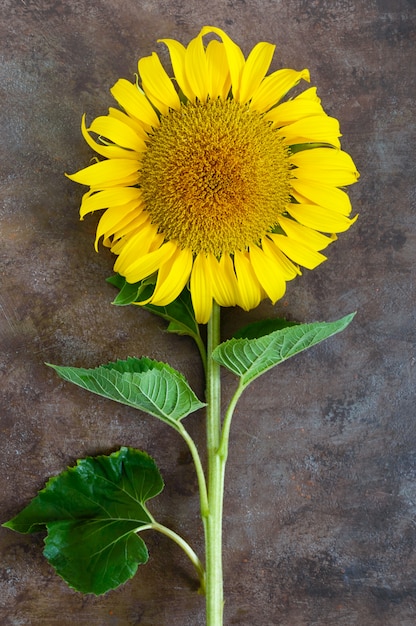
{"x": 223, "y": 447}
{"x": 202, "y": 351}
{"x": 216, "y": 470}
{"x": 182, "y": 544}
{"x": 203, "y": 495}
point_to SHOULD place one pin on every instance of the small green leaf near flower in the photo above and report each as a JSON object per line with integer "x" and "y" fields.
{"x": 143, "y": 384}
{"x": 130, "y": 292}
{"x": 92, "y": 513}
{"x": 179, "y": 313}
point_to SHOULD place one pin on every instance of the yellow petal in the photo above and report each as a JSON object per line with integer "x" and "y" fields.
{"x": 235, "y": 57}
{"x": 274, "y": 87}
{"x": 320, "y": 218}
{"x": 323, "y": 195}
{"x": 108, "y": 173}
{"x": 329, "y": 158}
{"x": 172, "y": 277}
{"x": 267, "y": 272}
{"x": 196, "y": 69}
{"x": 105, "y": 151}
{"x": 177, "y": 56}
{"x": 304, "y": 234}
{"x": 120, "y": 244}
{"x": 285, "y": 266}
{"x": 249, "y": 292}
{"x": 319, "y": 128}
{"x": 108, "y": 198}
{"x": 255, "y": 68}
{"x": 157, "y": 241}
{"x": 157, "y": 84}
{"x": 118, "y": 132}
{"x": 308, "y": 94}
{"x": 126, "y": 229}
{"x": 135, "y": 247}
{"x": 142, "y": 130}
{"x": 117, "y": 218}
{"x": 116, "y": 241}
{"x": 148, "y": 264}
{"x": 293, "y": 110}
{"x": 134, "y": 102}
{"x": 326, "y": 165}
{"x": 297, "y": 251}
{"x": 219, "y": 80}
{"x": 201, "y": 289}
{"x": 224, "y": 281}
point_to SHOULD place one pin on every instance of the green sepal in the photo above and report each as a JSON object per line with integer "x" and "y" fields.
{"x": 299, "y": 147}
{"x": 179, "y": 313}
{"x": 144, "y": 384}
{"x": 92, "y": 513}
{"x": 263, "y": 327}
{"x": 131, "y": 292}
{"x": 249, "y": 358}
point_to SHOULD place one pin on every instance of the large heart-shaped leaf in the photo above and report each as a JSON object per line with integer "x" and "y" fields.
{"x": 92, "y": 513}
{"x": 143, "y": 383}
{"x": 249, "y": 358}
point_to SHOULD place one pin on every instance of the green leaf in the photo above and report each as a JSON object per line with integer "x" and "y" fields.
{"x": 262, "y": 327}
{"x": 144, "y": 384}
{"x": 92, "y": 513}
{"x": 249, "y": 358}
{"x": 179, "y": 313}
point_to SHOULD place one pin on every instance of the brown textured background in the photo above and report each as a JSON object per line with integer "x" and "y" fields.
{"x": 319, "y": 516}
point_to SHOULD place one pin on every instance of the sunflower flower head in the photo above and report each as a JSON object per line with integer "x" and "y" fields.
{"x": 213, "y": 178}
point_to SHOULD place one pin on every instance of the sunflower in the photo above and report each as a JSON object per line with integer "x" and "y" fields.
{"x": 213, "y": 179}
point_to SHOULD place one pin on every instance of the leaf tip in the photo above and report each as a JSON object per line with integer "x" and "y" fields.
{"x": 8, "y": 524}
{"x": 347, "y": 319}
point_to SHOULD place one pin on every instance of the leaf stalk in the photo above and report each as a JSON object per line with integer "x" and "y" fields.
{"x": 180, "y": 541}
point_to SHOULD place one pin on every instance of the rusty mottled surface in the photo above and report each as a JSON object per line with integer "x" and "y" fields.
{"x": 320, "y": 509}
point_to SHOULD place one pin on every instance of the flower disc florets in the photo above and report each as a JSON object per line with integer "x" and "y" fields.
{"x": 215, "y": 177}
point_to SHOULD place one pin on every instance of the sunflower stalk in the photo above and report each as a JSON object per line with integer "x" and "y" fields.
{"x": 216, "y": 471}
